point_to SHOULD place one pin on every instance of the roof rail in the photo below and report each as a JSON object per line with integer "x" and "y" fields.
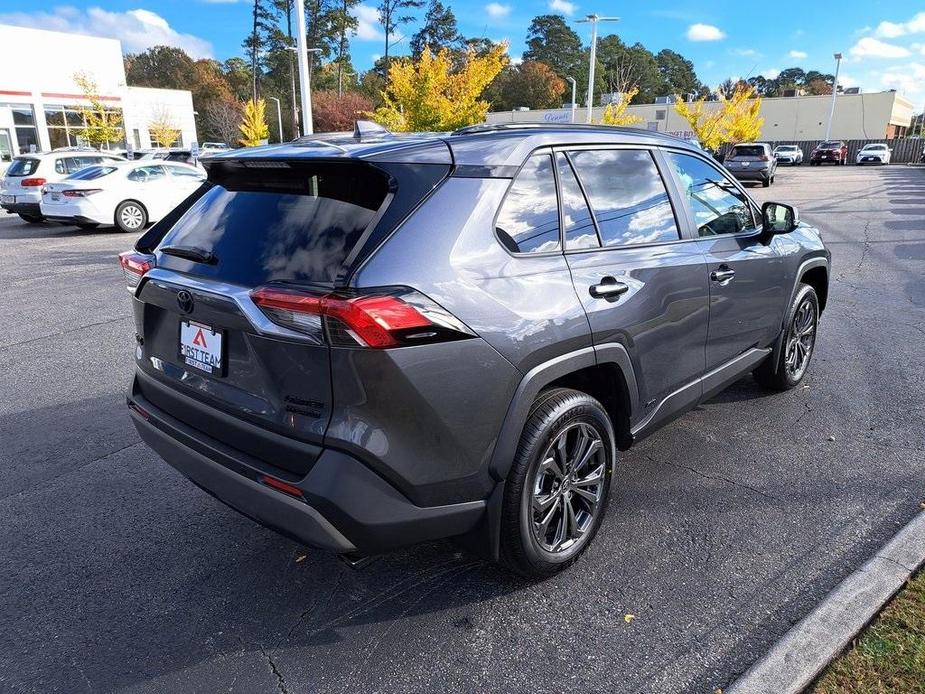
{"x": 367, "y": 128}
{"x": 489, "y": 127}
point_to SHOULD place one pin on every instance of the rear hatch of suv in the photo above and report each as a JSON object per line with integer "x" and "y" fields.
{"x": 219, "y": 348}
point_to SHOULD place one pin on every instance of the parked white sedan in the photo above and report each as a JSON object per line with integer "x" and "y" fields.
{"x": 876, "y": 153}
{"x": 129, "y": 195}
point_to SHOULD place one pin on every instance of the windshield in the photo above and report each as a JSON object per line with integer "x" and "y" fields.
{"x": 91, "y": 173}
{"x": 22, "y": 167}
{"x": 830, "y": 145}
{"x": 786, "y": 148}
{"x": 868, "y": 147}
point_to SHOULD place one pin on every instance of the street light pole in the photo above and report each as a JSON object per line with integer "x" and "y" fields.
{"x": 572, "y": 80}
{"x": 828, "y": 129}
{"x": 593, "y": 19}
{"x": 279, "y": 117}
{"x": 302, "y": 59}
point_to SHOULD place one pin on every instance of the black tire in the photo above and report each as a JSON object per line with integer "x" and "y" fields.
{"x": 766, "y": 182}
{"x": 32, "y": 218}
{"x": 574, "y": 417}
{"x": 130, "y": 216}
{"x": 783, "y": 377}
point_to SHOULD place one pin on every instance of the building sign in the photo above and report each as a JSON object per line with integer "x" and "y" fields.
{"x": 558, "y": 117}
{"x": 683, "y": 134}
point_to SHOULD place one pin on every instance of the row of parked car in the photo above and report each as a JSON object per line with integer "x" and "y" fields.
{"x": 88, "y": 189}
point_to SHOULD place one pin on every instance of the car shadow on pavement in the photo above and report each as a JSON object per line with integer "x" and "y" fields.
{"x": 48, "y": 231}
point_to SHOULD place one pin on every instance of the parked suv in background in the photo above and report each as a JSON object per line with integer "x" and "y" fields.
{"x": 788, "y": 154}
{"x": 834, "y": 151}
{"x": 370, "y": 342}
{"x": 21, "y": 186}
{"x": 752, "y": 161}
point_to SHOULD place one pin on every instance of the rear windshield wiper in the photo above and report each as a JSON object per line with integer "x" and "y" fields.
{"x": 197, "y": 255}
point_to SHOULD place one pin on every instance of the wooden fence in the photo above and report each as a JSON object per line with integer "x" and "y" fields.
{"x": 905, "y": 149}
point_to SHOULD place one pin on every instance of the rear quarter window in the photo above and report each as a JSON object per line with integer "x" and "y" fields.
{"x": 528, "y": 221}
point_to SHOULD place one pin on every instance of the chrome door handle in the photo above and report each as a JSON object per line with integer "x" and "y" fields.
{"x": 722, "y": 275}
{"x": 608, "y": 287}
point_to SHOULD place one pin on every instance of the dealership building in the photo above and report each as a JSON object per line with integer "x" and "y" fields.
{"x": 858, "y": 116}
{"x": 39, "y": 95}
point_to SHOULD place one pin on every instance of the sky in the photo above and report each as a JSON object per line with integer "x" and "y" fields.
{"x": 884, "y": 48}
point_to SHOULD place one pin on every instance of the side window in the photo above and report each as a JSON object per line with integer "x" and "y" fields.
{"x": 529, "y": 218}
{"x": 144, "y": 174}
{"x": 60, "y": 167}
{"x": 180, "y": 172}
{"x": 716, "y": 204}
{"x": 579, "y": 228}
{"x": 627, "y": 195}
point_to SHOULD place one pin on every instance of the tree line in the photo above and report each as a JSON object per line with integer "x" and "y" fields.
{"x": 554, "y": 53}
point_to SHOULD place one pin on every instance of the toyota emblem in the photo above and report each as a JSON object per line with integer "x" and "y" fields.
{"x": 185, "y": 301}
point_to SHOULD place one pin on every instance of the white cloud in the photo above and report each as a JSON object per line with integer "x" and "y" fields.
{"x": 874, "y": 48}
{"x": 892, "y": 30}
{"x": 368, "y": 26}
{"x": 496, "y": 9}
{"x": 563, "y": 6}
{"x": 798, "y": 55}
{"x": 907, "y": 79}
{"x": 704, "y": 32}
{"x": 771, "y": 73}
{"x": 136, "y": 29}
{"x": 746, "y": 52}
{"x": 516, "y": 60}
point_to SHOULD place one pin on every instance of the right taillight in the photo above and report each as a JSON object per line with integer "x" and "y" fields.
{"x": 380, "y": 319}
{"x": 134, "y": 266}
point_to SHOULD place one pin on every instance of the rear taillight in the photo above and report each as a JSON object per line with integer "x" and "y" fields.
{"x": 764, "y": 157}
{"x": 379, "y": 319}
{"x": 86, "y": 192}
{"x": 134, "y": 266}
{"x": 32, "y": 182}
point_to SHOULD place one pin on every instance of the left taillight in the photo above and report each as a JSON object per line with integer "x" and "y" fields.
{"x": 379, "y": 319}
{"x": 32, "y": 182}
{"x": 82, "y": 193}
{"x": 134, "y": 266}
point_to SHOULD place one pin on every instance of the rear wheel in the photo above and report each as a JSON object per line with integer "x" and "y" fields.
{"x": 799, "y": 341}
{"x": 766, "y": 182}
{"x": 556, "y": 492}
{"x": 32, "y": 218}
{"x": 130, "y": 216}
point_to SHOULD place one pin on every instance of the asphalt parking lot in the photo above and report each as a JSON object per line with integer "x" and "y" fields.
{"x": 724, "y": 528}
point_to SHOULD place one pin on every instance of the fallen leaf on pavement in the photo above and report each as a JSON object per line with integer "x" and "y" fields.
{"x": 628, "y": 618}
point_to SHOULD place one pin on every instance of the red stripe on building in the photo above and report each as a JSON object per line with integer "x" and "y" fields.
{"x": 9, "y": 93}
{"x": 55, "y": 95}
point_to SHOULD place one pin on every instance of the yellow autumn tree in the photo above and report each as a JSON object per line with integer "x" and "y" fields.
{"x": 741, "y": 114}
{"x": 438, "y": 92}
{"x": 163, "y": 128}
{"x": 732, "y": 119}
{"x": 253, "y": 127}
{"x": 705, "y": 122}
{"x": 101, "y": 125}
{"x": 615, "y": 114}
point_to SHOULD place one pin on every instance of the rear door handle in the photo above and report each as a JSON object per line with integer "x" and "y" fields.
{"x": 723, "y": 274}
{"x": 608, "y": 287}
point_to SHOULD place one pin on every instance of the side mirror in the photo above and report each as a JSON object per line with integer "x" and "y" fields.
{"x": 778, "y": 218}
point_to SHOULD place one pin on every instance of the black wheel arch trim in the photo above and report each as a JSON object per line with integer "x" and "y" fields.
{"x": 805, "y": 266}
{"x": 541, "y": 376}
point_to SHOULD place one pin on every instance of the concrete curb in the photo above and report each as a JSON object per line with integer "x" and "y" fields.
{"x": 803, "y": 652}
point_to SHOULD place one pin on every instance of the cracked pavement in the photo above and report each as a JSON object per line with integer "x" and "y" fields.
{"x": 724, "y": 528}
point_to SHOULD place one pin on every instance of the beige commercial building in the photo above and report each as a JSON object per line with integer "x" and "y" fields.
{"x": 872, "y": 116}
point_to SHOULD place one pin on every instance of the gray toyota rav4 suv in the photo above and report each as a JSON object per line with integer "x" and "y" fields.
{"x": 371, "y": 341}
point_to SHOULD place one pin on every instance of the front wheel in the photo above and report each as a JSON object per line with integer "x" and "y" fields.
{"x": 797, "y": 348}
{"x": 130, "y": 216}
{"x": 556, "y": 492}
{"x": 766, "y": 182}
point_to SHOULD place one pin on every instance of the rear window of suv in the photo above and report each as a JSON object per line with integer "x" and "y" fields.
{"x": 23, "y": 167}
{"x": 748, "y": 151}
{"x": 279, "y": 225}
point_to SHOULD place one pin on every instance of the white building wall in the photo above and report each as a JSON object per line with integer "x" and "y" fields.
{"x": 857, "y": 116}
{"x": 45, "y": 76}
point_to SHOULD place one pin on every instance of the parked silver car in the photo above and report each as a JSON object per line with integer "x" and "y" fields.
{"x": 788, "y": 154}
{"x": 752, "y": 161}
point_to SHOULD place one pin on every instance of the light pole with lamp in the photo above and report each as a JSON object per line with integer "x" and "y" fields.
{"x": 279, "y": 117}
{"x": 302, "y": 52}
{"x": 593, "y": 19}
{"x": 828, "y": 129}
{"x": 572, "y": 80}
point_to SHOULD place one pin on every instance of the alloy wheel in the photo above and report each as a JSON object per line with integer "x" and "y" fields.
{"x": 801, "y": 339}
{"x": 567, "y": 488}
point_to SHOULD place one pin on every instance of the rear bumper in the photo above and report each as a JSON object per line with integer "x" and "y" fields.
{"x": 752, "y": 174}
{"x": 345, "y": 507}
{"x": 30, "y": 208}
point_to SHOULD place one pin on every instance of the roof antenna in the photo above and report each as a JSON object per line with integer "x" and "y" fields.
{"x": 367, "y": 128}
